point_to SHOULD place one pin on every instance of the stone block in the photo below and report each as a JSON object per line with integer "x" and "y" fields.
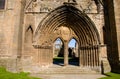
{"x": 9, "y": 63}
{"x": 105, "y": 66}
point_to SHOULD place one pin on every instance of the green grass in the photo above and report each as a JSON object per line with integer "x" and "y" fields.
{"x": 57, "y": 58}
{"x": 60, "y": 59}
{"x": 8, "y": 75}
{"x": 111, "y": 76}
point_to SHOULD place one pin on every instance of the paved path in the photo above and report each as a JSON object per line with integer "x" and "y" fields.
{"x": 68, "y": 76}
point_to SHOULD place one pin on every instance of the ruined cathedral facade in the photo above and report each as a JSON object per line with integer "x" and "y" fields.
{"x": 29, "y": 28}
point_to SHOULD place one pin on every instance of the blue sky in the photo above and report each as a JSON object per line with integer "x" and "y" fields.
{"x": 72, "y": 43}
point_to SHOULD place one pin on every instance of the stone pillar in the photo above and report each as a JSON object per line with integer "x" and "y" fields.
{"x": 65, "y": 53}
{"x": 81, "y": 58}
{"x": 104, "y": 63}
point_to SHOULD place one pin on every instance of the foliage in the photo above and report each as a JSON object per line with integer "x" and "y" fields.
{"x": 111, "y": 76}
{"x": 8, "y": 75}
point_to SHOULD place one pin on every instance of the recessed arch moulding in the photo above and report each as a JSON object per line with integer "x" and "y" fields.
{"x": 68, "y": 22}
{"x": 73, "y": 19}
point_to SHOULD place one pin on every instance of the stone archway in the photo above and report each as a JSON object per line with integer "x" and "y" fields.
{"x": 74, "y": 23}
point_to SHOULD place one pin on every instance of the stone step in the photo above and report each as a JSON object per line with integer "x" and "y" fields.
{"x": 67, "y": 70}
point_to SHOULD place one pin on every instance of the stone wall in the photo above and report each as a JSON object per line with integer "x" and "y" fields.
{"x": 10, "y": 24}
{"x": 117, "y": 22}
{"x": 20, "y": 19}
{"x": 111, "y": 34}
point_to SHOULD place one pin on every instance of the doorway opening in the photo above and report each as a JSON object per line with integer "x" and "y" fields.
{"x": 73, "y": 52}
{"x": 58, "y": 52}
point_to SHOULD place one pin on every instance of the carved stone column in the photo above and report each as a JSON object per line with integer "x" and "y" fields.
{"x": 65, "y": 53}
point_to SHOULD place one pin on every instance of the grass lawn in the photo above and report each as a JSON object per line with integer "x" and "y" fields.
{"x": 111, "y": 76}
{"x": 8, "y": 75}
{"x": 57, "y": 59}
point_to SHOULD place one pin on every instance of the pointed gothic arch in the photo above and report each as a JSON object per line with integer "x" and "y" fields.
{"x": 82, "y": 26}
{"x": 70, "y": 16}
{"x": 29, "y": 34}
{"x": 76, "y": 39}
{"x": 60, "y": 51}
